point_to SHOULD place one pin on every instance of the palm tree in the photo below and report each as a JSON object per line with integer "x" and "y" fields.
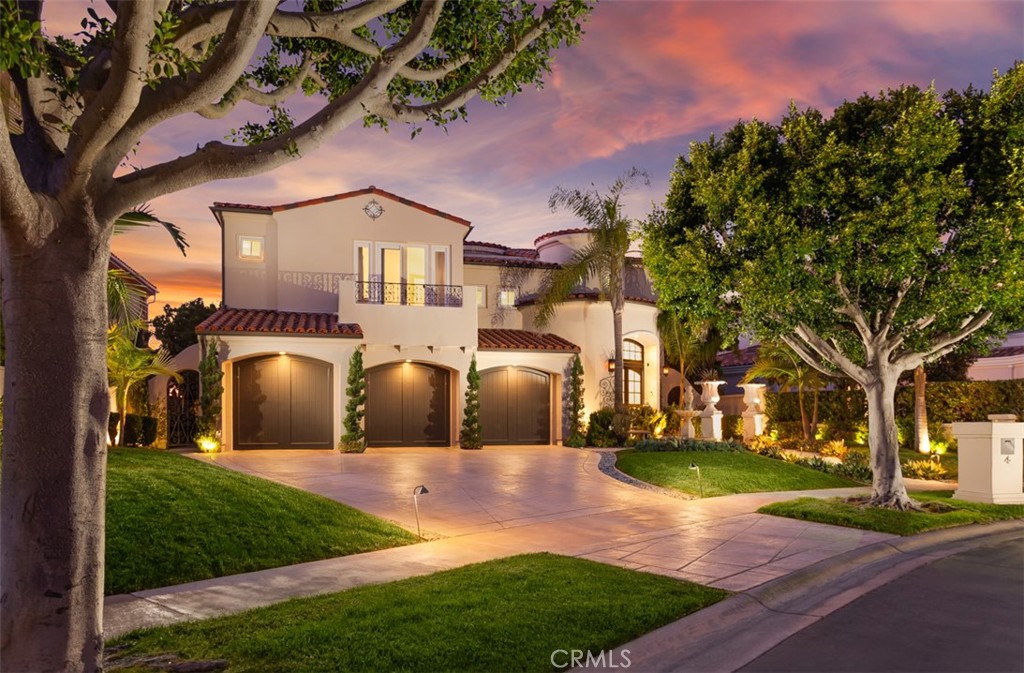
{"x": 780, "y": 364}
{"x": 689, "y": 345}
{"x": 602, "y": 260}
{"x": 128, "y": 365}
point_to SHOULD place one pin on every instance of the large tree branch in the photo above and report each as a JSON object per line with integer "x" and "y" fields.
{"x": 241, "y": 91}
{"x": 890, "y": 313}
{"x": 204, "y": 22}
{"x": 807, "y": 355}
{"x": 218, "y": 74}
{"x": 830, "y": 353}
{"x": 16, "y": 200}
{"x": 395, "y": 111}
{"x": 216, "y": 161}
{"x": 117, "y": 99}
{"x": 851, "y": 309}
{"x": 945, "y": 342}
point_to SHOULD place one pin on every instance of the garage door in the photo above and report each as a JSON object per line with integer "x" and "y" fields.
{"x": 515, "y": 406}
{"x": 407, "y": 404}
{"x": 283, "y": 402}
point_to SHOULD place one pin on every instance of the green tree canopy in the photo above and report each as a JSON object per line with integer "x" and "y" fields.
{"x": 870, "y": 241}
{"x": 176, "y": 328}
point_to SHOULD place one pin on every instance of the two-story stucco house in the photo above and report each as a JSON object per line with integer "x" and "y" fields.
{"x": 306, "y": 284}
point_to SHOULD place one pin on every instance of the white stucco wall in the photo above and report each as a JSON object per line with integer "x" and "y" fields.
{"x": 588, "y": 324}
{"x": 306, "y": 248}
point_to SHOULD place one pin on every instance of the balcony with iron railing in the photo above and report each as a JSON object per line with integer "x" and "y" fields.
{"x": 407, "y": 294}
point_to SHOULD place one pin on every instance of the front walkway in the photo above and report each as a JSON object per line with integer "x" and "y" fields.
{"x": 499, "y": 502}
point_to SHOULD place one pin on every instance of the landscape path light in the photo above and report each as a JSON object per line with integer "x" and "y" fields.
{"x": 416, "y": 492}
{"x": 700, "y": 483}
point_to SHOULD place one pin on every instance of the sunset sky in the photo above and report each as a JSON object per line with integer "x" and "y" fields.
{"x": 648, "y": 78}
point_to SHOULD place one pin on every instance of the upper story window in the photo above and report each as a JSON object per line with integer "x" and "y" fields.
{"x": 250, "y": 247}
{"x": 507, "y": 297}
{"x": 481, "y": 296}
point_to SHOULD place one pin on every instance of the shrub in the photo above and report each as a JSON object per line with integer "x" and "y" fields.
{"x": 836, "y": 449}
{"x": 211, "y": 387}
{"x": 672, "y": 421}
{"x": 924, "y": 469}
{"x": 574, "y": 405}
{"x": 471, "y": 435}
{"x": 353, "y": 441}
{"x": 676, "y": 444}
{"x": 646, "y": 419}
{"x": 138, "y": 430}
{"x": 762, "y": 444}
{"x": 732, "y": 427}
{"x": 599, "y": 430}
{"x": 785, "y": 429}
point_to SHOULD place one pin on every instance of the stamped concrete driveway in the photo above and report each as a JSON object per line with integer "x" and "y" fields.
{"x": 555, "y": 499}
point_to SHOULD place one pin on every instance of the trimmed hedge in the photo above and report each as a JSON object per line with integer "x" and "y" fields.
{"x": 138, "y": 430}
{"x": 676, "y": 444}
{"x": 948, "y": 402}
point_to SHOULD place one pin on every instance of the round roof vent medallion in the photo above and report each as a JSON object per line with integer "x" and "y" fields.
{"x": 373, "y": 209}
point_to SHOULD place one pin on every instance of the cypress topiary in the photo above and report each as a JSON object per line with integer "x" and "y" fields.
{"x": 353, "y": 441}
{"x": 574, "y": 412}
{"x": 470, "y": 437}
{"x": 211, "y": 388}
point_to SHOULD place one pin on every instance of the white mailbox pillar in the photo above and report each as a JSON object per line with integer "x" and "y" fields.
{"x": 990, "y": 458}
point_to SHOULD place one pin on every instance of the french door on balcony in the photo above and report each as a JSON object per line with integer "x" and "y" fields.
{"x": 410, "y": 274}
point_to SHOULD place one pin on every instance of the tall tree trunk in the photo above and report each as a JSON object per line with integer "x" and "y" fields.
{"x": 887, "y": 488}
{"x": 921, "y": 438}
{"x": 803, "y": 412}
{"x": 814, "y": 416}
{"x": 54, "y": 464}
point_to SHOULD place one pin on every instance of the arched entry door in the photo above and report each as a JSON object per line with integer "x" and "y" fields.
{"x": 182, "y": 398}
{"x": 515, "y": 406}
{"x": 408, "y": 404}
{"x": 283, "y": 402}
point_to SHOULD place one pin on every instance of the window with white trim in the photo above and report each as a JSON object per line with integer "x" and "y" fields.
{"x": 481, "y": 296}
{"x": 250, "y": 247}
{"x": 507, "y": 297}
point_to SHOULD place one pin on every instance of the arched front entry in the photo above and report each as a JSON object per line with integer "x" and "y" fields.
{"x": 282, "y": 402}
{"x": 408, "y": 404}
{"x": 182, "y": 398}
{"x": 515, "y": 406}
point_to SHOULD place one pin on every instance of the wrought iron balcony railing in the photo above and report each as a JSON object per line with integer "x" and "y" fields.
{"x": 409, "y": 294}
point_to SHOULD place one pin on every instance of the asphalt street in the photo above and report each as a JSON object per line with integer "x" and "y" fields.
{"x": 961, "y": 613}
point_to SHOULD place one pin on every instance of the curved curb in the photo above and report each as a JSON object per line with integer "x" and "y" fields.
{"x": 734, "y": 632}
{"x": 606, "y": 465}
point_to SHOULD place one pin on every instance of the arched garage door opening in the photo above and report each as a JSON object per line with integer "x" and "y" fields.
{"x": 515, "y": 406}
{"x": 408, "y": 404}
{"x": 283, "y": 402}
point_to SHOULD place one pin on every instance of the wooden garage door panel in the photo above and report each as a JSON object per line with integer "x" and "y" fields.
{"x": 283, "y": 402}
{"x": 494, "y": 406}
{"x": 258, "y": 417}
{"x": 515, "y": 406}
{"x": 310, "y": 386}
{"x": 407, "y": 404}
{"x": 533, "y": 408}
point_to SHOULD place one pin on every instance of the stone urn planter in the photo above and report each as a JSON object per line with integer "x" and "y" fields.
{"x": 754, "y": 418}
{"x": 709, "y": 396}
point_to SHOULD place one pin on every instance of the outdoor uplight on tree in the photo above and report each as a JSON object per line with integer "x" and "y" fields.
{"x": 869, "y": 242}
{"x": 78, "y": 106}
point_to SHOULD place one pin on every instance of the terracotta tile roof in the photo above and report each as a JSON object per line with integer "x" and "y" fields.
{"x": 587, "y": 294}
{"x": 218, "y": 206}
{"x": 741, "y": 357}
{"x": 560, "y": 232}
{"x": 508, "y": 261}
{"x": 118, "y": 263}
{"x": 484, "y": 244}
{"x": 522, "y": 340}
{"x": 1006, "y": 351}
{"x": 255, "y": 321}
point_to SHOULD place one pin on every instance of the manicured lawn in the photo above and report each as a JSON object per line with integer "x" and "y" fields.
{"x": 948, "y": 512}
{"x": 723, "y": 472}
{"x": 504, "y": 615}
{"x": 171, "y": 519}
